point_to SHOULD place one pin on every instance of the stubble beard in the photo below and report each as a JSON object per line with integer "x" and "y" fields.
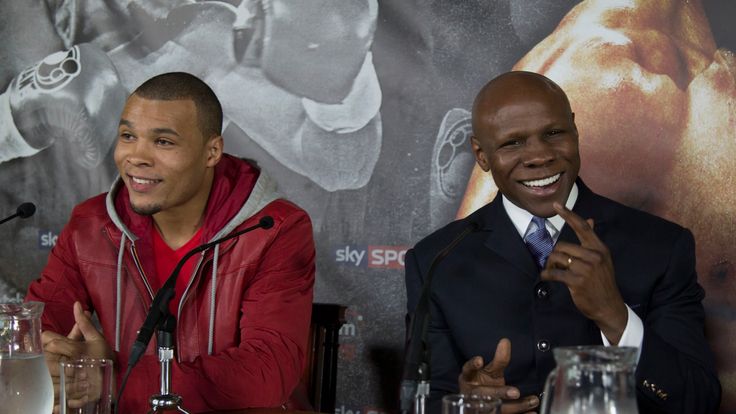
{"x": 146, "y": 210}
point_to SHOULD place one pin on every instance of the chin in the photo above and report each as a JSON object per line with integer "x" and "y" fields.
{"x": 145, "y": 210}
{"x": 546, "y": 209}
{"x": 544, "y": 213}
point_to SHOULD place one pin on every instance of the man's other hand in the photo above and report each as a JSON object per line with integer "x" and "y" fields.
{"x": 489, "y": 380}
{"x": 94, "y": 343}
{"x": 83, "y": 341}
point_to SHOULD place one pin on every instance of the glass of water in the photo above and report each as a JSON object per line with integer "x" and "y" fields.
{"x": 470, "y": 404}
{"x": 85, "y": 386}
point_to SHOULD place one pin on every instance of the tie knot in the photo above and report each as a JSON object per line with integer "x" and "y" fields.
{"x": 539, "y": 221}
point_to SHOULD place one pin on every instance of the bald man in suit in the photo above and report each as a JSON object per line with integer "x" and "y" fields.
{"x": 610, "y": 275}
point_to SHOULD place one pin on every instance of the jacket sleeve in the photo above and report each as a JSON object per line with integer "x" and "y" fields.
{"x": 274, "y": 327}
{"x": 676, "y": 371}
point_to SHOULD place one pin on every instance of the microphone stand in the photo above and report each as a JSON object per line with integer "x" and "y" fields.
{"x": 415, "y": 385}
{"x": 166, "y": 401}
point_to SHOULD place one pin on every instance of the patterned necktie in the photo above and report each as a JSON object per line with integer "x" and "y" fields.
{"x": 539, "y": 242}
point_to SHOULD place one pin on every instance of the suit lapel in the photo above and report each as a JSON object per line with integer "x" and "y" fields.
{"x": 588, "y": 205}
{"x": 591, "y": 205}
{"x": 504, "y": 240}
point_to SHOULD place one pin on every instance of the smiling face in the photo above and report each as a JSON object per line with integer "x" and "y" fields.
{"x": 525, "y": 134}
{"x": 163, "y": 158}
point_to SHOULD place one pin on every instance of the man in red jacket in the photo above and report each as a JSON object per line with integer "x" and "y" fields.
{"x": 242, "y": 307}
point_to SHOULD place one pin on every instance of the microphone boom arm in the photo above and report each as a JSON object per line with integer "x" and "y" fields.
{"x": 416, "y": 355}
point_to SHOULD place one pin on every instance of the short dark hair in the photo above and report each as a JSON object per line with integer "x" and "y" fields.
{"x": 181, "y": 85}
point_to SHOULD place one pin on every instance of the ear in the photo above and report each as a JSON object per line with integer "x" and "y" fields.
{"x": 214, "y": 150}
{"x": 480, "y": 156}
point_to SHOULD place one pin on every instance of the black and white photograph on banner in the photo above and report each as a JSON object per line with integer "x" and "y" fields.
{"x": 360, "y": 111}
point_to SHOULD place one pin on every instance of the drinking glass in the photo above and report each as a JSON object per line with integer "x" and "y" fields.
{"x": 470, "y": 404}
{"x": 85, "y": 386}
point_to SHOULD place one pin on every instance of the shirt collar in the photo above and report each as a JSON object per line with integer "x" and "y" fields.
{"x": 522, "y": 219}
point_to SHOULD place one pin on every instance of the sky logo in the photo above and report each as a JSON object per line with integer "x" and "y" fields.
{"x": 351, "y": 255}
{"x": 47, "y": 239}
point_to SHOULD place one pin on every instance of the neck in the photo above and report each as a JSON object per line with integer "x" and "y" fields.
{"x": 176, "y": 233}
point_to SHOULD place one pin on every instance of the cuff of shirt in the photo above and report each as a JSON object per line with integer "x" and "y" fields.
{"x": 633, "y": 333}
{"x": 356, "y": 110}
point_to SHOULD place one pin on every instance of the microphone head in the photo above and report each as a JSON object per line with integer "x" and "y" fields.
{"x": 25, "y": 210}
{"x": 266, "y": 222}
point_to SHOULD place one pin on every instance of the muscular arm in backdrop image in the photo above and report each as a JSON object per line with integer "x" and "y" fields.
{"x": 359, "y": 112}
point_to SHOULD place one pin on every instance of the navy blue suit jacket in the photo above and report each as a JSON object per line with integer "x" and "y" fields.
{"x": 489, "y": 288}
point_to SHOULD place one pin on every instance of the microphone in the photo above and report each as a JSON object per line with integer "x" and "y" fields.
{"x": 416, "y": 353}
{"x": 160, "y": 305}
{"x": 24, "y": 210}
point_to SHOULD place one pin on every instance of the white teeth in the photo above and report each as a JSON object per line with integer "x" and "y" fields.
{"x": 543, "y": 182}
{"x": 142, "y": 180}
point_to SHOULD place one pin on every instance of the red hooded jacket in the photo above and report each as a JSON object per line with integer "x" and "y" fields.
{"x": 243, "y": 322}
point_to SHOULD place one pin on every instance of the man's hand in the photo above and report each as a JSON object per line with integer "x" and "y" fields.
{"x": 587, "y": 270}
{"x": 84, "y": 340}
{"x": 489, "y": 380}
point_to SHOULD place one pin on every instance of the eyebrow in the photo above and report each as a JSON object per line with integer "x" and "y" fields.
{"x": 169, "y": 131}
{"x": 125, "y": 122}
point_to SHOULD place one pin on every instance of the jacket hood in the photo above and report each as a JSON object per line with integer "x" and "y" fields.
{"x": 239, "y": 190}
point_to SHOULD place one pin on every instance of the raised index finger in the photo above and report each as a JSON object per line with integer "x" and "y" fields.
{"x": 580, "y": 226}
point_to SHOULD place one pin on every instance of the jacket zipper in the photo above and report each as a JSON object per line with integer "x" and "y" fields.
{"x": 137, "y": 262}
{"x": 189, "y": 284}
{"x": 184, "y": 297}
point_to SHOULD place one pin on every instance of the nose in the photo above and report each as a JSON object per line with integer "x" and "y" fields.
{"x": 537, "y": 153}
{"x": 137, "y": 153}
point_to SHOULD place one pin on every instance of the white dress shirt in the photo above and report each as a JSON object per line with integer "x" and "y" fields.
{"x": 522, "y": 220}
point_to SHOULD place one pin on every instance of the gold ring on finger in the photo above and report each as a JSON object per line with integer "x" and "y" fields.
{"x": 569, "y": 262}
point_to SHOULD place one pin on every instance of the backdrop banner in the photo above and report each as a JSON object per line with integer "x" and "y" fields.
{"x": 360, "y": 110}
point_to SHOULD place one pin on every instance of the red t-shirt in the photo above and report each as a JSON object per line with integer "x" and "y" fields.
{"x": 167, "y": 259}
